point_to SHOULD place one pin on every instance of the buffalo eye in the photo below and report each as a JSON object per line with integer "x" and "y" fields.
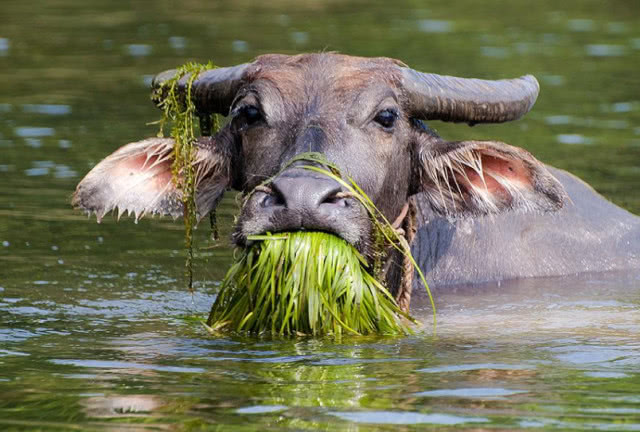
{"x": 247, "y": 115}
{"x": 386, "y": 118}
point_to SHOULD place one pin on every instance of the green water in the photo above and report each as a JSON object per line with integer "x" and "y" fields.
{"x": 95, "y": 323}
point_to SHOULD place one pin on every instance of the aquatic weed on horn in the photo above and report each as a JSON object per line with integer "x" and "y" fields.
{"x": 179, "y": 111}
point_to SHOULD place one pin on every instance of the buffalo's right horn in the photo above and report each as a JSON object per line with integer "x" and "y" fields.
{"x": 212, "y": 91}
{"x": 469, "y": 100}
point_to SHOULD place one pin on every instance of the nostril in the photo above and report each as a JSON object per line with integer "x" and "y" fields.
{"x": 271, "y": 197}
{"x": 298, "y": 191}
{"x": 338, "y": 197}
{"x": 269, "y": 201}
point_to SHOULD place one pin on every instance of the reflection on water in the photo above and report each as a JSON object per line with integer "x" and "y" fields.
{"x": 97, "y": 331}
{"x": 406, "y": 418}
{"x": 49, "y": 109}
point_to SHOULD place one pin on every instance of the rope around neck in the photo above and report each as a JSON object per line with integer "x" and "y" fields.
{"x": 405, "y": 226}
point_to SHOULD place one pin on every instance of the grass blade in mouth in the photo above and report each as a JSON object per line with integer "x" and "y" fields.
{"x": 384, "y": 233}
{"x": 310, "y": 283}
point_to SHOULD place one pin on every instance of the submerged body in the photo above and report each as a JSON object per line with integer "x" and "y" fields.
{"x": 589, "y": 234}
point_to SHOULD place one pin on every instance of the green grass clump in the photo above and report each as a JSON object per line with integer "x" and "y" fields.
{"x": 309, "y": 283}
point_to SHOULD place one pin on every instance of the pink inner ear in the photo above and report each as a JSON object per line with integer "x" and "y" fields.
{"x": 155, "y": 167}
{"x": 154, "y": 164}
{"x": 469, "y": 178}
{"x": 497, "y": 170}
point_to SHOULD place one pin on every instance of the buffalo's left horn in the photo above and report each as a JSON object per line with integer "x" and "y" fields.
{"x": 469, "y": 100}
{"x": 212, "y": 91}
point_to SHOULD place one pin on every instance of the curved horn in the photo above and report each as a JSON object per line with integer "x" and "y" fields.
{"x": 213, "y": 90}
{"x": 470, "y": 100}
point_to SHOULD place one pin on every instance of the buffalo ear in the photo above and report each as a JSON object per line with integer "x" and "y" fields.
{"x": 485, "y": 177}
{"x": 137, "y": 179}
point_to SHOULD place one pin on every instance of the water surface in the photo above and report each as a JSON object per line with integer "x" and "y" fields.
{"x": 97, "y": 329}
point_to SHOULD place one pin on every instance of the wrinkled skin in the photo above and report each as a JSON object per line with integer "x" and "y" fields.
{"x": 478, "y": 201}
{"x": 589, "y": 234}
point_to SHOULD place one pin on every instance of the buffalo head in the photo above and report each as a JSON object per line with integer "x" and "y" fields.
{"x": 365, "y": 116}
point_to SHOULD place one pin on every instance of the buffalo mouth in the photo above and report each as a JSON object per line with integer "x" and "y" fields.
{"x": 357, "y": 234}
{"x": 316, "y": 260}
{"x": 360, "y": 232}
{"x": 310, "y": 198}
{"x": 342, "y": 216}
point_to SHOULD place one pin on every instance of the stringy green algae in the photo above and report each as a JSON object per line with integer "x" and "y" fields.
{"x": 179, "y": 110}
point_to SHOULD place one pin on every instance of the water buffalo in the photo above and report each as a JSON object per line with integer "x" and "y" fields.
{"x": 476, "y": 210}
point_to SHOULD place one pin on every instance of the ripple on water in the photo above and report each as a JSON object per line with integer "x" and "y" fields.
{"x": 147, "y": 80}
{"x": 34, "y": 131}
{"x": 4, "y": 46}
{"x": 5, "y": 353}
{"x": 585, "y": 354}
{"x": 581, "y": 25}
{"x": 471, "y": 393}
{"x": 106, "y": 364}
{"x": 39, "y": 168}
{"x": 33, "y": 142}
{"x": 348, "y": 361}
{"x": 600, "y": 374}
{"x": 64, "y": 171}
{"x": 617, "y": 27}
{"x": 474, "y": 367}
{"x": 495, "y": 52}
{"x": 608, "y": 410}
{"x": 573, "y": 139}
{"x": 16, "y": 335}
{"x": 435, "y": 26}
{"x": 604, "y": 50}
{"x": 48, "y": 109}
{"x": 622, "y": 107}
{"x": 157, "y": 303}
{"x": 138, "y": 50}
{"x": 299, "y": 38}
{"x": 178, "y": 43}
{"x": 523, "y": 47}
{"x": 605, "y": 424}
{"x": 406, "y": 418}
{"x": 150, "y": 343}
{"x": 553, "y": 80}
{"x": 261, "y": 409}
{"x": 616, "y": 124}
{"x": 558, "y": 120}
{"x": 240, "y": 46}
